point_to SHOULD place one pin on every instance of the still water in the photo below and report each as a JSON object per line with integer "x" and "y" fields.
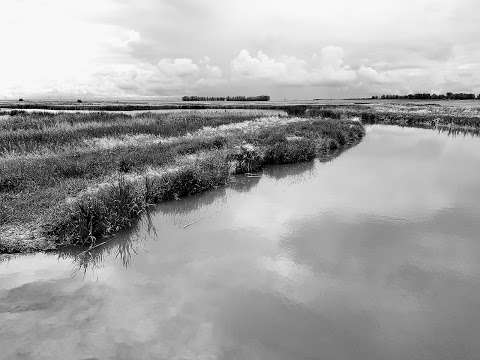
{"x": 375, "y": 255}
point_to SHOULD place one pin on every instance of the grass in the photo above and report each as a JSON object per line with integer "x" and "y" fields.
{"x": 26, "y": 133}
{"x": 291, "y": 108}
{"x": 23, "y": 173}
{"x": 102, "y": 181}
{"x": 289, "y": 152}
{"x": 415, "y": 115}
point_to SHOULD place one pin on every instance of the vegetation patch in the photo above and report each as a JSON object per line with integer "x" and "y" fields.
{"x": 289, "y": 152}
{"x": 81, "y": 194}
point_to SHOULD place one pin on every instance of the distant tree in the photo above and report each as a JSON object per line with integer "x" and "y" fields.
{"x": 21, "y": 99}
{"x": 427, "y": 96}
{"x": 228, "y": 98}
{"x": 79, "y": 101}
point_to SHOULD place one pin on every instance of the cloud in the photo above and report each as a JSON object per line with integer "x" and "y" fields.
{"x": 167, "y": 77}
{"x": 113, "y": 47}
{"x": 327, "y": 69}
{"x": 371, "y": 75}
{"x": 178, "y": 67}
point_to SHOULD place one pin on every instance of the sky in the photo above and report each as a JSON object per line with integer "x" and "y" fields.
{"x": 300, "y": 49}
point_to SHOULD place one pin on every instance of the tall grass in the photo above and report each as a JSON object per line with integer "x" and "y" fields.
{"x": 418, "y": 120}
{"x": 93, "y": 216}
{"x": 22, "y": 173}
{"x": 62, "y": 191}
{"x": 289, "y": 152}
{"x": 398, "y": 117}
{"x": 29, "y": 133}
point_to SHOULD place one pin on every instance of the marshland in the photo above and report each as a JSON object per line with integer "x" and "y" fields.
{"x": 230, "y": 229}
{"x": 239, "y": 180}
{"x": 272, "y": 232}
{"x": 75, "y": 178}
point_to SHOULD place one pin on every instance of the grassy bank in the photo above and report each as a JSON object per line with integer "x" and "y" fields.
{"x": 453, "y": 119}
{"x": 55, "y": 192}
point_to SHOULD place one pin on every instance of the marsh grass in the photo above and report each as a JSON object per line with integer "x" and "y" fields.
{"x": 289, "y": 152}
{"x": 33, "y": 132}
{"x": 83, "y": 195}
{"x": 419, "y": 120}
{"x": 19, "y": 174}
{"x": 431, "y": 117}
{"x": 92, "y": 216}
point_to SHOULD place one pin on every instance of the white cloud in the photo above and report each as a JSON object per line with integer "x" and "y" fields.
{"x": 262, "y": 67}
{"x": 325, "y": 70}
{"x": 128, "y": 47}
{"x": 178, "y": 68}
{"x": 369, "y": 74}
{"x": 167, "y": 77}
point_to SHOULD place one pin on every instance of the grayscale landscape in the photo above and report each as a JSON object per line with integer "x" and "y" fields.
{"x": 239, "y": 180}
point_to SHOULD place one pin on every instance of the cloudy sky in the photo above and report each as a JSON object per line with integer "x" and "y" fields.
{"x": 289, "y": 49}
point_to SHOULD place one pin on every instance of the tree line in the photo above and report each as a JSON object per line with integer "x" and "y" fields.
{"x": 426, "y": 96}
{"x": 226, "y": 98}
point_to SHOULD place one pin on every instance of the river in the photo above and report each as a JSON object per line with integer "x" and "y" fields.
{"x": 374, "y": 255}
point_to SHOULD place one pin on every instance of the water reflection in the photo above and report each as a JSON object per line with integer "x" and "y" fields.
{"x": 244, "y": 183}
{"x": 126, "y": 245}
{"x": 294, "y": 171}
{"x": 459, "y": 131}
{"x": 122, "y": 247}
{"x": 371, "y": 256}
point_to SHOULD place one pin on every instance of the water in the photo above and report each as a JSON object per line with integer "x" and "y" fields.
{"x": 374, "y": 255}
